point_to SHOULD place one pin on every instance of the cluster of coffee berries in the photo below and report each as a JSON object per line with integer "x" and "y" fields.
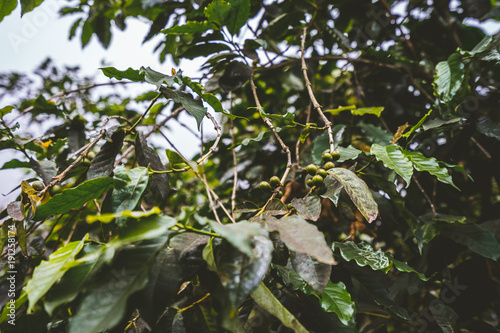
{"x": 319, "y": 174}
{"x": 273, "y": 184}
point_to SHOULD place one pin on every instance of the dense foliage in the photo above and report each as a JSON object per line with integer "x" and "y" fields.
{"x": 352, "y": 184}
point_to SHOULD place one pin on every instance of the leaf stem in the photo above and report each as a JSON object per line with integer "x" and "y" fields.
{"x": 198, "y": 231}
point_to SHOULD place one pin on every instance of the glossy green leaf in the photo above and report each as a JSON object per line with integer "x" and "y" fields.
{"x": 174, "y": 264}
{"x": 104, "y": 162}
{"x": 430, "y": 165}
{"x": 349, "y": 153}
{"x": 217, "y": 12}
{"x": 372, "y": 110}
{"x": 436, "y": 123}
{"x": 6, "y": 7}
{"x": 7, "y": 109}
{"x": 336, "y": 298}
{"x": 474, "y": 237}
{"x": 109, "y": 217}
{"x": 28, "y": 5}
{"x": 191, "y": 27}
{"x": 129, "y": 74}
{"x": 364, "y": 255}
{"x": 127, "y": 197}
{"x": 265, "y": 298}
{"x": 238, "y": 15}
{"x": 445, "y": 317}
{"x": 49, "y": 272}
{"x": 489, "y": 127}
{"x": 239, "y": 273}
{"x": 393, "y": 158}
{"x": 376, "y": 134}
{"x": 240, "y": 235}
{"x": 45, "y": 169}
{"x": 404, "y": 267}
{"x": 333, "y": 189}
{"x": 104, "y": 304}
{"x": 309, "y": 208}
{"x": 302, "y": 237}
{"x": 358, "y": 191}
{"x": 156, "y": 78}
{"x": 193, "y": 106}
{"x": 449, "y": 77}
{"x": 176, "y": 161}
{"x": 146, "y": 156}
{"x": 315, "y": 273}
{"x": 73, "y": 198}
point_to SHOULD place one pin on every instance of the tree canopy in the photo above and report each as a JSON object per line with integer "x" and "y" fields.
{"x": 351, "y": 185}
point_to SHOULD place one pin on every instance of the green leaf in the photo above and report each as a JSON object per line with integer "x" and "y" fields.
{"x": 309, "y": 208}
{"x": 109, "y": 217}
{"x": 302, "y": 237}
{"x": 104, "y": 303}
{"x": 157, "y": 78}
{"x": 376, "y": 134}
{"x": 316, "y": 274}
{"x": 364, "y": 255}
{"x": 217, "y": 12}
{"x": 335, "y": 298}
{"x": 321, "y": 143}
{"x": 174, "y": 264}
{"x": 6, "y": 110}
{"x": 129, "y": 74}
{"x": 49, "y": 272}
{"x": 6, "y": 7}
{"x": 176, "y": 161}
{"x": 393, "y": 158}
{"x": 104, "y": 162}
{"x": 240, "y": 235}
{"x": 146, "y": 156}
{"x": 349, "y": 153}
{"x": 435, "y": 123}
{"x": 372, "y": 110}
{"x": 445, "y": 317}
{"x": 489, "y": 127}
{"x": 333, "y": 189}
{"x": 239, "y": 273}
{"x": 28, "y": 5}
{"x": 265, "y": 298}
{"x": 47, "y": 170}
{"x": 477, "y": 239}
{"x": 87, "y": 32}
{"x": 358, "y": 191}
{"x": 129, "y": 196}
{"x": 191, "y": 27}
{"x": 15, "y": 163}
{"x": 404, "y": 267}
{"x": 235, "y": 75}
{"x": 194, "y": 107}
{"x": 73, "y": 198}
{"x": 430, "y": 165}
{"x": 238, "y": 15}
{"x": 102, "y": 28}
{"x": 337, "y": 111}
{"x": 449, "y": 77}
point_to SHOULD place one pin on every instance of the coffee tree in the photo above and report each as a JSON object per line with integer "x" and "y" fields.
{"x": 351, "y": 185}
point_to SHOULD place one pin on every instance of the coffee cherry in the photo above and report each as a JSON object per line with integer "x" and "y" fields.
{"x": 275, "y": 181}
{"x": 311, "y": 169}
{"x": 329, "y": 165}
{"x": 336, "y": 155}
{"x": 309, "y": 182}
{"x": 322, "y": 173}
{"x": 327, "y": 157}
{"x": 320, "y": 190}
{"x": 317, "y": 180}
{"x": 56, "y": 189}
{"x": 38, "y": 185}
{"x": 265, "y": 186}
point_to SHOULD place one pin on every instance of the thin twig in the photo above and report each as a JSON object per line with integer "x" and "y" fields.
{"x": 425, "y": 195}
{"x": 153, "y": 101}
{"x": 283, "y": 145}
{"x": 315, "y": 103}
{"x": 216, "y": 143}
{"x": 481, "y": 148}
{"x": 235, "y": 162}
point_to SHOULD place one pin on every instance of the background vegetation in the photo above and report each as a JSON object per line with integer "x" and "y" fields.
{"x": 352, "y": 184}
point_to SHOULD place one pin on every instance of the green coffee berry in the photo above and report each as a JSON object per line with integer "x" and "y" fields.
{"x": 38, "y": 185}
{"x": 275, "y": 181}
{"x": 322, "y": 173}
{"x": 317, "y": 180}
{"x": 329, "y": 165}
{"x": 311, "y": 169}
{"x": 309, "y": 182}
{"x": 335, "y": 155}
{"x": 327, "y": 157}
{"x": 265, "y": 186}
